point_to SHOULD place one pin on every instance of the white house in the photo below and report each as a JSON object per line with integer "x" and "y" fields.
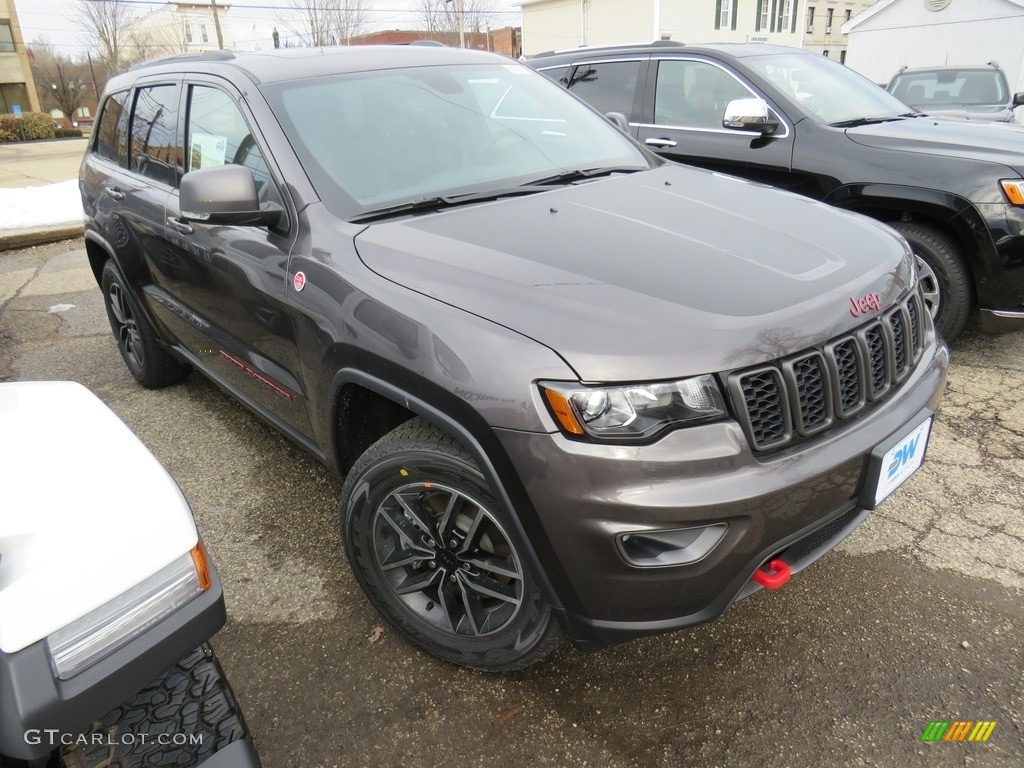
{"x": 932, "y": 33}
{"x": 181, "y": 27}
{"x": 561, "y": 24}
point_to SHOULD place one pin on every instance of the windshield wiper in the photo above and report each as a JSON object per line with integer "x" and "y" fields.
{"x": 440, "y": 202}
{"x": 864, "y": 121}
{"x": 582, "y": 174}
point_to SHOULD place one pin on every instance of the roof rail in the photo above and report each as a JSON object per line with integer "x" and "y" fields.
{"x": 652, "y": 44}
{"x": 201, "y": 56}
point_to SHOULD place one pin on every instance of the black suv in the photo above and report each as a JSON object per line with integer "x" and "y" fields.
{"x": 572, "y": 388}
{"x": 805, "y": 123}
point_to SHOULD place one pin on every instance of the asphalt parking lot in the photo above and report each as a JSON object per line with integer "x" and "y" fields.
{"x": 918, "y": 617}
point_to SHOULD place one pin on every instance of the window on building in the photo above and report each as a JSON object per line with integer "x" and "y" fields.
{"x": 842, "y": 57}
{"x": 726, "y": 14}
{"x": 11, "y": 94}
{"x": 810, "y": 19}
{"x": 608, "y": 87}
{"x": 825, "y": 53}
{"x": 764, "y": 14}
{"x": 203, "y": 34}
{"x": 6, "y": 39}
{"x": 155, "y": 151}
{"x": 112, "y": 132}
{"x": 785, "y": 19}
{"x": 829, "y": 13}
{"x": 846, "y": 17}
{"x": 188, "y": 32}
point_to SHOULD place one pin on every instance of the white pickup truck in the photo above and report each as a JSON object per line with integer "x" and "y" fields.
{"x": 107, "y": 598}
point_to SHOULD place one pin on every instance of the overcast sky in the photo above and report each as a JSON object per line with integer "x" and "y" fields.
{"x": 250, "y": 19}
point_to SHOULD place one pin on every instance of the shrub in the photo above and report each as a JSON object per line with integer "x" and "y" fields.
{"x": 37, "y": 125}
{"x": 73, "y": 132}
{"x": 9, "y": 126}
{"x": 8, "y": 136}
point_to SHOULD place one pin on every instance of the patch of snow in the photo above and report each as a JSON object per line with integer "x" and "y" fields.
{"x": 44, "y": 206}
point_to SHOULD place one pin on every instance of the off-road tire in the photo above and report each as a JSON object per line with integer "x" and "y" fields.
{"x": 952, "y": 281}
{"x": 421, "y": 461}
{"x": 146, "y": 359}
{"x": 191, "y": 702}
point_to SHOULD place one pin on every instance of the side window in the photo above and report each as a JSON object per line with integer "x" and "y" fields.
{"x": 154, "y": 146}
{"x": 608, "y": 87}
{"x": 217, "y": 134}
{"x": 555, "y": 73}
{"x": 112, "y": 133}
{"x": 694, "y": 94}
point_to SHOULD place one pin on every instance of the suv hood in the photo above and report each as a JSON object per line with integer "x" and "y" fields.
{"x": 987, "y": 142}
{"x": 658, "y": 274}
{"x": 87, "y": 511}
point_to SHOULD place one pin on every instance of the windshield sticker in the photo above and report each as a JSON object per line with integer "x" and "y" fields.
{"x": 516, "y": 69}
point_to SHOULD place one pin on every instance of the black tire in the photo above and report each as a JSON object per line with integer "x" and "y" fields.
{"x": 944, "y": 277}
{"x": 429, "y": 547}
{"x": 151, "y": 365}
{"x": 192, "y": 702}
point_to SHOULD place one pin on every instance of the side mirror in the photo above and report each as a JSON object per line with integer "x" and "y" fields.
{"x": 1018, "y": 99}
{"x": 619, "y": 121}
{"x": 225, "y": 194}
{"x": 750, "y": 115}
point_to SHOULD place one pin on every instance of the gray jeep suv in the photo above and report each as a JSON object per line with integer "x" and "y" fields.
{"x": 573, "y": 390}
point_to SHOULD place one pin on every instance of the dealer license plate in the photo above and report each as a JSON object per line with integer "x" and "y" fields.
{"x": 901, "y": 461}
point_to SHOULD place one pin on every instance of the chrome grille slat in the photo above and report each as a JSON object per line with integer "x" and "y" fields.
{"x": 807, "y": 393}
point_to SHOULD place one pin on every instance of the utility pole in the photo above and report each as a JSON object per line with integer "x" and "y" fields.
{"x": 216, "y": 24}
{"x": 95, "y": 89}
{"x": 461, "y": 10}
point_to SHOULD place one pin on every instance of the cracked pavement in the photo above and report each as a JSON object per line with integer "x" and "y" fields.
{"x": 918, "y": 616}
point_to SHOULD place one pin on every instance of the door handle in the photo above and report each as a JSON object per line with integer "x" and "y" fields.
{"x": 114, "y": 193}
{"x": 181, "y": 226}
{"x": 659, "y": 142}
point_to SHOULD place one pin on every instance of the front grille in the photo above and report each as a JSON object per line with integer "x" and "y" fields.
{"x": 808, "y": 392}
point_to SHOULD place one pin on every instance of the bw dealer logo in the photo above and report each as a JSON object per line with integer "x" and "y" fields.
{"x": 903, "y": 456}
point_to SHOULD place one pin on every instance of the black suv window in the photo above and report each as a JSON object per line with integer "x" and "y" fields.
{"x": 217, "y": 134}
{"x": 155, "y": 151}
{"x": 112, "y": 133}
{"x": 694, "y": 94}
{"x": 608, "y": 86}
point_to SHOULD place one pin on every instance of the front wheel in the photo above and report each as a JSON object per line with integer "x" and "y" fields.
{"x": 943, "y": 276}
{"x": 429, "y": 547}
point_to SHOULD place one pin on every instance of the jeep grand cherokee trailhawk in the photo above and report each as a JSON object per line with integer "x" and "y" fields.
{"x": 573, "y": 390}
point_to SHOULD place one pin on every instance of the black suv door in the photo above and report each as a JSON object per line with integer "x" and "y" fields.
{"x": 227, "y": 299}
{"x": 681, "y": 119}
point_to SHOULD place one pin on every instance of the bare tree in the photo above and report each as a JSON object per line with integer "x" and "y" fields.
{"x": 348, "y": 20}
{"x": 310, "y": 20}
{"x": 106, "y": 24}
{"x": 61, "y": 82}
{"x": 443, "y": 16}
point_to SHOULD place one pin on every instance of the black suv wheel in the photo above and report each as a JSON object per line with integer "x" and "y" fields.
{"x": 944, "y": 280}
{"x": 428, "y": 545}
{"x": 148, "y": 362}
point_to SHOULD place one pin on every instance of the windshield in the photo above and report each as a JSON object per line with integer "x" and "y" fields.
{"x": 826, "y": 90}
{"x": 950, "y": 88}
{"x": 377, "y": 139}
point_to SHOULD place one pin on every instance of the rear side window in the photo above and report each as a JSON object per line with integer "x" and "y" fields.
{"x": 608, "y": 87}
{"x": 112, "y": 133}
{"x": 555, "y": 73}
{"x": 155, "y": 151}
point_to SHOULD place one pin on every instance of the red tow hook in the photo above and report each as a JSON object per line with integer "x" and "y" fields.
{"x": 777, "y": 575}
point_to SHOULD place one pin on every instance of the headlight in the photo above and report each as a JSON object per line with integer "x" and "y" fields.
{"x": 87, "y": 640}
{"x": 635, "y": 411}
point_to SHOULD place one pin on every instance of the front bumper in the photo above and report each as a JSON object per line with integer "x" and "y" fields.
{"x": 33, "y": 699}
{"x": 999, "y": 275}
{"x": 586, "y": 495}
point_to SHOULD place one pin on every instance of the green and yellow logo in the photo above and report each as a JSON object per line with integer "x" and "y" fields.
{"x": 958, "y": 730}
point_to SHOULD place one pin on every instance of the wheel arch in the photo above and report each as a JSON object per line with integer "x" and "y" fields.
{"x": 951, "y": 215}
{"x": 99, "y": 252}
{"x": 384, "y": 406}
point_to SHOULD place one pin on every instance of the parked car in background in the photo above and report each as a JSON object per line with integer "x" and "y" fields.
{"x": 573, "y": 389}
{"x": 805, "y": 123}
{"x": 107, "y": 599}
{"x": 966, "y": 93}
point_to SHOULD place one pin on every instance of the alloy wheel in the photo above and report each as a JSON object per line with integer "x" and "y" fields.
{"x": 446, "y": 557}
{"x": 127, "y": 330}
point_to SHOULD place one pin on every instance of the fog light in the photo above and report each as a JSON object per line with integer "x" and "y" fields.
{"x": 87, "y": 640}
{"x": 680, "y": 546}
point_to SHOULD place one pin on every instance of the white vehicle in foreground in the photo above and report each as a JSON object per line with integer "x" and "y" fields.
{"x": 107, "y": 598}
